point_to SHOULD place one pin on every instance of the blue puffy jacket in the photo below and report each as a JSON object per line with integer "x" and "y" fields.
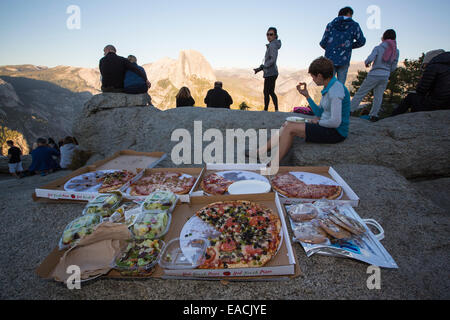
{"x": 340, "y": 37}
{"x": 132, "y": 79}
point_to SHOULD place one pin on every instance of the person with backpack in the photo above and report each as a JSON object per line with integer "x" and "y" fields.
{"x": 384, "y": 61}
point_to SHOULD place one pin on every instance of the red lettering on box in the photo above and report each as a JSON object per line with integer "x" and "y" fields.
{"x": 227, "y": 273}
{"x": 265, "y": 271}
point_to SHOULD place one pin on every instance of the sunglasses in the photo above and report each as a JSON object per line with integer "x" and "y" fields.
{"x": 271, "y": 34}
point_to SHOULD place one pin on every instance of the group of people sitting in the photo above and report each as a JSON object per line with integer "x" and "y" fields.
{"x": 215, "y": 98}
{"x": 47, "y": 156}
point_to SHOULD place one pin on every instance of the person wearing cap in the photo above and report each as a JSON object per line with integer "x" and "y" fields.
{"x": 133, "y": 82}
{"x": 218, "y": 98}
{"x": 113, "y": 68}
{"x": 341, "y": 36}
{"x": 433, "y": 90}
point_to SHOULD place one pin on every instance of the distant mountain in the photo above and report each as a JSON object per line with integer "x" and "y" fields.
{"x": 40, "y": 101}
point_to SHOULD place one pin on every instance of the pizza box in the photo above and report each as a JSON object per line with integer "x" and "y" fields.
{"x": 256, "y": 169}
{"x": 283, "y": 266}
{"x": 123, "y": 160}
{"x": 349, "y": 196}
{"x": 195, "y": 172}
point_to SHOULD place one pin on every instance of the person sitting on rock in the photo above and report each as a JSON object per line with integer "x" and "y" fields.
{"x": 433, "y": 90}
{"x": 113, "y": 68}
{"x": 15, "y": 159}
{"x": 184, "y": 98}
{"x": 385, "y": 60}
{"x": 42, "y": 158}
{"x": 332, "y": 115}
{"x": 67, "y": 151}
{"x": 218, "y": 98}
{"x": 133, "y": 82}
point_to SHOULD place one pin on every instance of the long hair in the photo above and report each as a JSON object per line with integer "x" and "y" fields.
{"x": 184, "y": 93}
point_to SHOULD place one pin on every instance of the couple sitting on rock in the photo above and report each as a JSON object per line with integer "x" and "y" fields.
{"x": 122, "y": 75}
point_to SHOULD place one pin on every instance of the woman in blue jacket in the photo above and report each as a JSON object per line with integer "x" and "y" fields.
{"x": 133, "y": 83}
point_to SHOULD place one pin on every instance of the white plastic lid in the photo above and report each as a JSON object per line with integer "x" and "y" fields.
{"x": 249, "y": 187}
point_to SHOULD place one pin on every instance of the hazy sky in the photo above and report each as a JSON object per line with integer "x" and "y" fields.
{"x": 229, "y": 33}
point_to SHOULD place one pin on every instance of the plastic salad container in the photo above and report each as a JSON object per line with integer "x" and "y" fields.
{"x": 152, "y": 225}
{"x": 77, "y": 229}
{"x": 183, "y": 254}
{"x": 104, "y": 204}
{"x": 159, "y": 200}
{"x": 127, "y": 213}
{"x": 139, "y": 258}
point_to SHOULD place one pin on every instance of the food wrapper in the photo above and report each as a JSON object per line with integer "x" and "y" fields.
{"x": 94, "y": 253}
{"x": 104, "y": 204}
{"x": 364, "y": 246}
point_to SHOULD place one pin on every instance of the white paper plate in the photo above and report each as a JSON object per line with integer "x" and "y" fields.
{"x": 89, "y": 176}
{"x": 239, "y": 175}
{"x": 249, "y": 187}
{"x": 312, "y": 178}
{"x": 297, "y": 119}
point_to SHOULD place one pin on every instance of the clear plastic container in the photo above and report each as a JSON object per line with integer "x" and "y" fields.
{"x": 183, "y": 254}
{"x": 160, "y": 200}
{"x": 127, "y": 213}
{"x": 104, "y": 204}
{"x": 151, "y": 225}
{"x": 77, "y": 229}
{"x": 139, "y": 258}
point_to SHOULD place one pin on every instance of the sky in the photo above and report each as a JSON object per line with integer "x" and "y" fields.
{"x": 230, "y": 34}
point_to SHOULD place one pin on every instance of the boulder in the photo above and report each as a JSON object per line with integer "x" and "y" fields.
{"x": 416, "y": 145}
{"x": 106, "y": 101}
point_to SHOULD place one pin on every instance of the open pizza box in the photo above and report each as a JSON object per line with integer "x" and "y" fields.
{"x": 282, "y": 266}
{"x": 314, "y": 175}
{"x": 188, "y": 172}
{"x": 121, "y": 160}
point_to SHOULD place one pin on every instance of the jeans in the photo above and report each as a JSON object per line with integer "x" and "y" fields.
{"x": 269, "y": 91}
{"x": 342, "y": 72}
{"x": 378, "y": 84}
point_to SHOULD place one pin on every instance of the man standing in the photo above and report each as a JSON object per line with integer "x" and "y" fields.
{"x": 341, "y": 36}
{"x": 113, "y": 68}
{"x": 15, "y": 160}
{"x": 218, "y": 98}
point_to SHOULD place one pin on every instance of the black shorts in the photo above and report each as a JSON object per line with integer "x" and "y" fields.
{"x": 318, "y": 134}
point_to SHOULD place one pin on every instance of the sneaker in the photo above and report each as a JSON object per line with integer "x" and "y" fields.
{"x": 374, "y": 119}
